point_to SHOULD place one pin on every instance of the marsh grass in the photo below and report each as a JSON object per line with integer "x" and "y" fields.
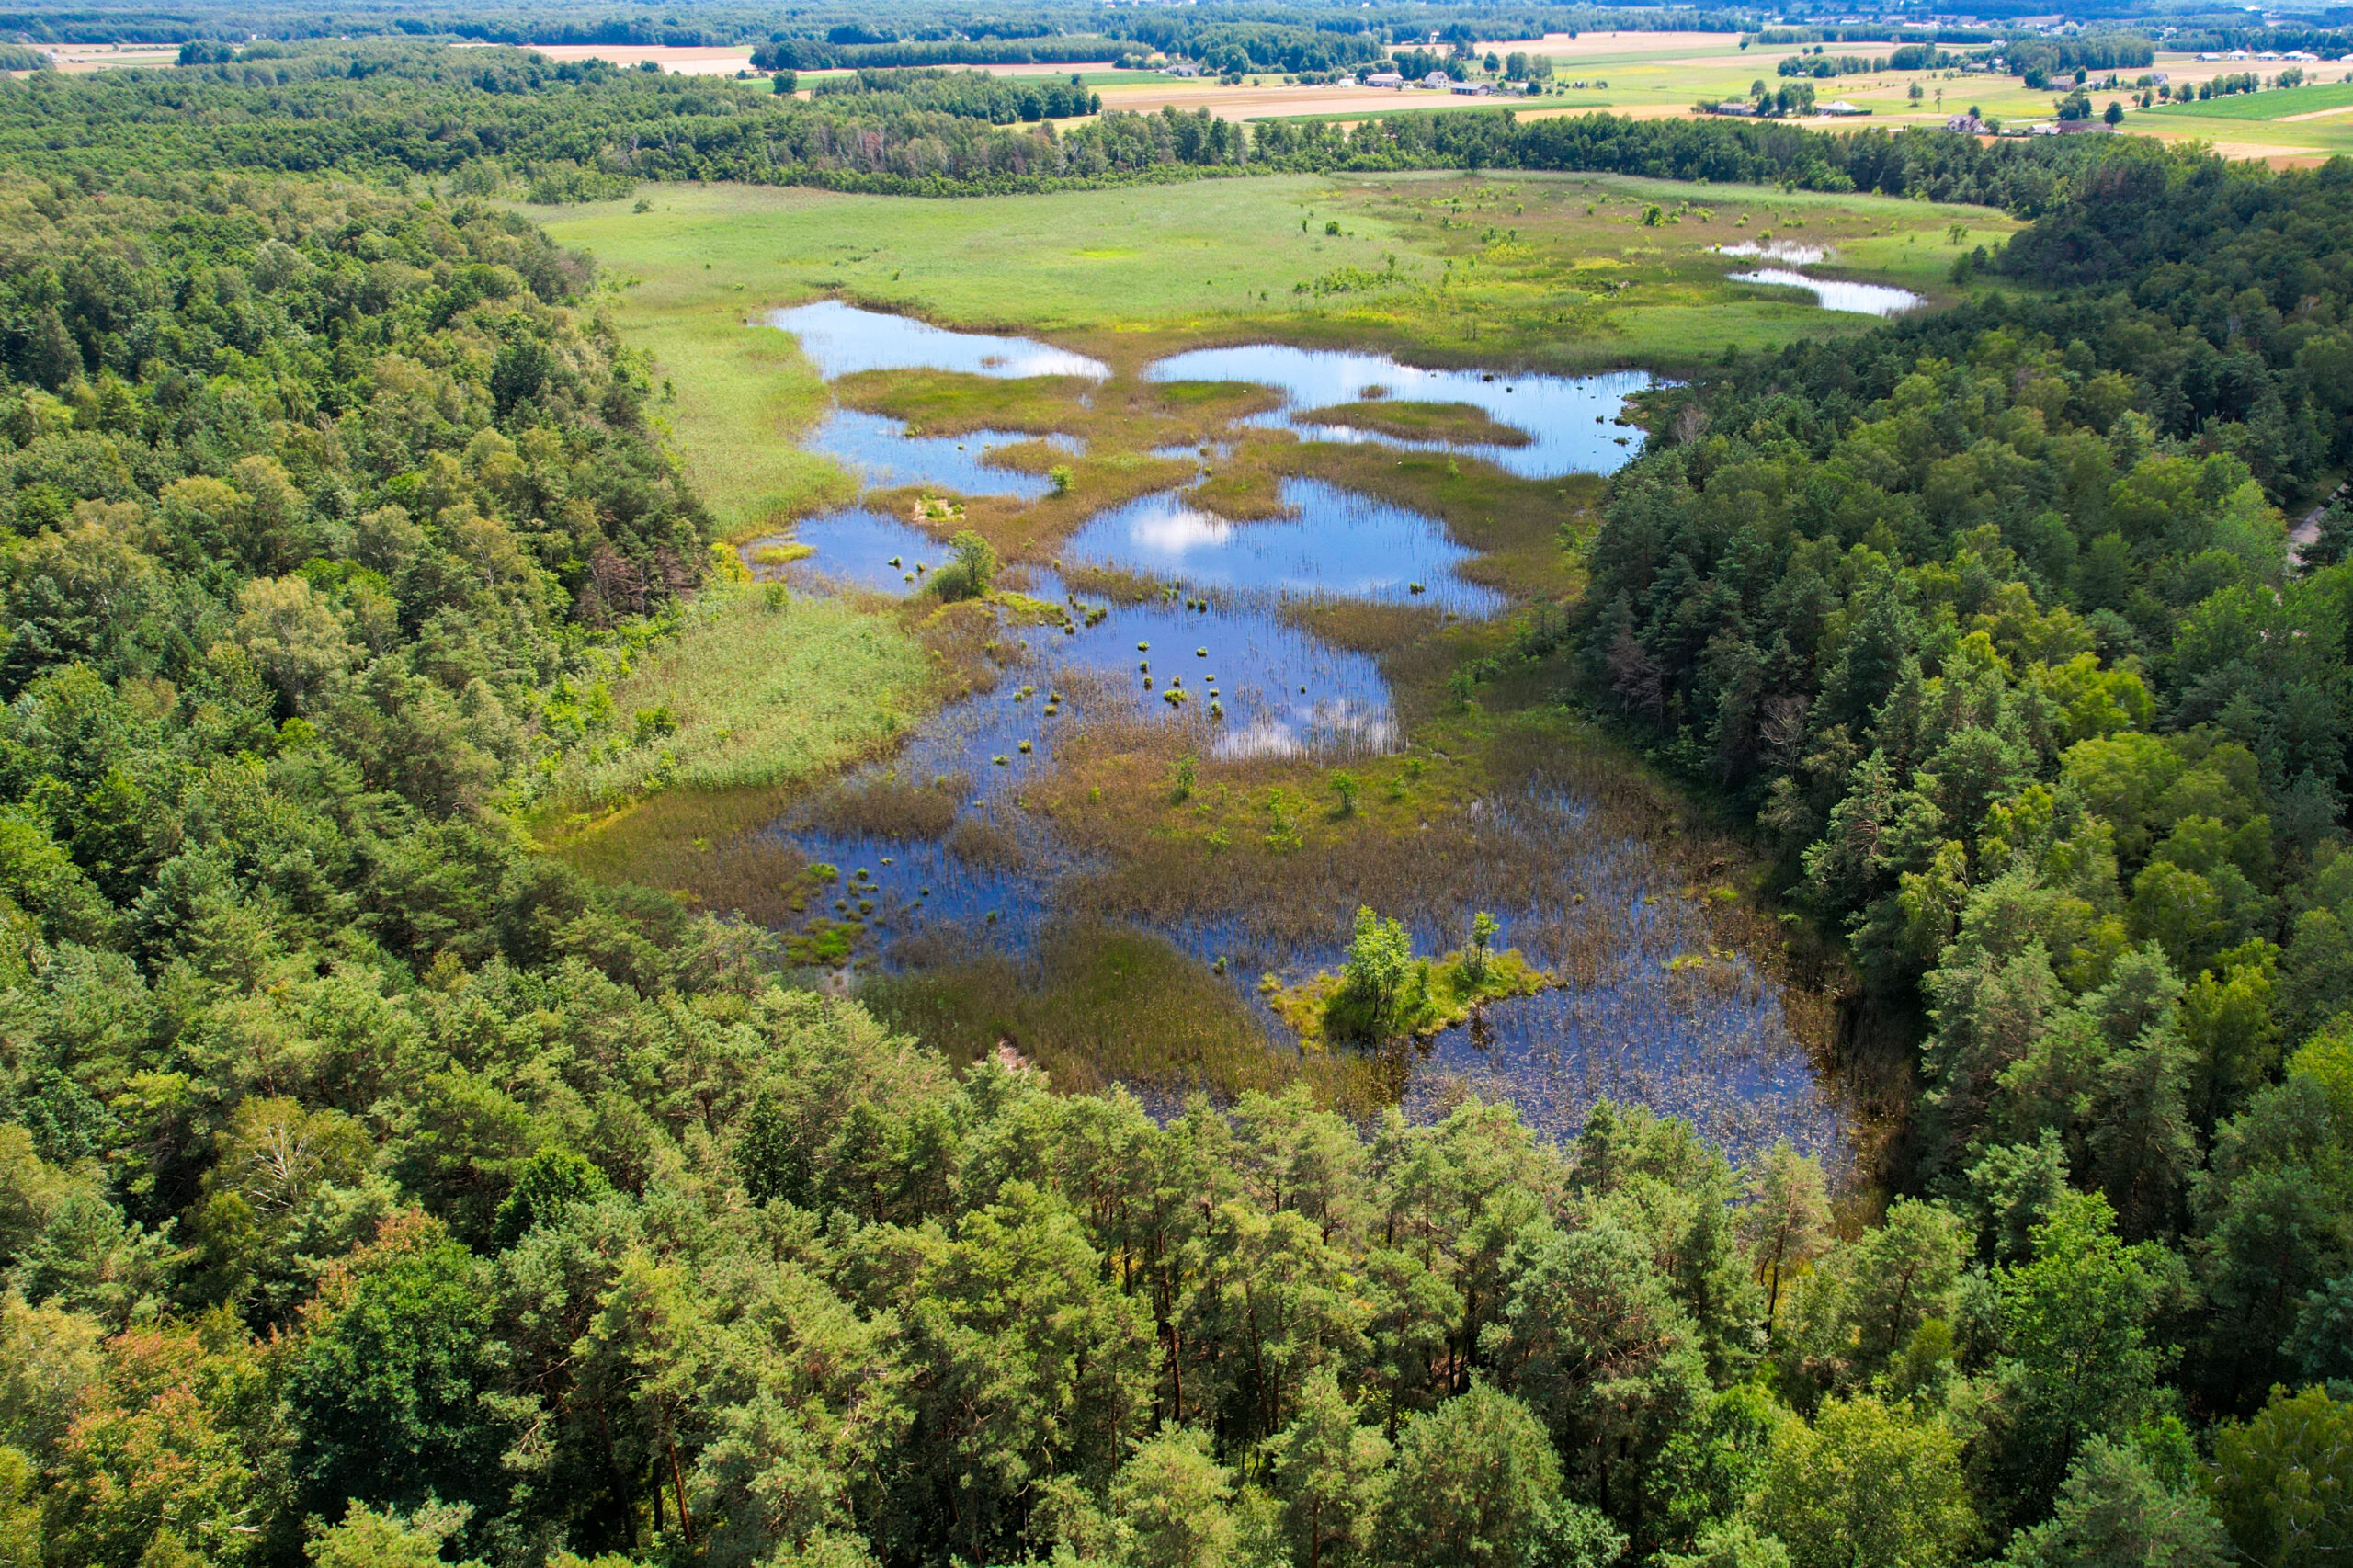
{"x": 1111, "y": 584}
{"x": 1248, "y": 864}
{"x": 700, "y": 845}
{"x": 754, "y": 692}
{"x": 1127, "y": 412}
{"x": 1030, "y": 533}
{"x": 1363, "y": 626}
{"x": 1101, "y": 1004}
{"x": 704, "y": 835}
{"x": 1462, "y": 423}
{"x": 888, "y": 808}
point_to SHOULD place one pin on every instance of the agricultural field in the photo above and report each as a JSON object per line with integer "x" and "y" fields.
{"x": 1653, "y": 76}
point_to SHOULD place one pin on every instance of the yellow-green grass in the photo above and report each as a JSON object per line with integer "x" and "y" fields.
{"x": 754, "y": 696}
{"x": 1409, "y": 420}
{"x": 2276, "y": 104}
{"x": 733, "y": 396}
{"x": 1129, "y": 274}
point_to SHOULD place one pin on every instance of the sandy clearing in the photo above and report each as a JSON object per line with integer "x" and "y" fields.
{"x": 681, "y": 61}
{"x": 76, "y": 59}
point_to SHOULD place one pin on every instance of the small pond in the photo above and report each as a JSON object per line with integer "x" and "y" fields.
{"x": 1330, "y": 543}
{"x": 1566, "y": 418}
{"x": 1837, "y": 294}
{"x": 840, "y": 339}
{"x": 1787, "y": 251}
{"x": 1830, "y": 293}
{"x": 1641, "y": 1020}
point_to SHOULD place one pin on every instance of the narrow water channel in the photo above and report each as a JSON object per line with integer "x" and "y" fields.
{"x": 1652, "y": 1014}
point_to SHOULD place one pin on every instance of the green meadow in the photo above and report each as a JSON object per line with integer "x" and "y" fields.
{"x": 1558, "y": 271}
{"x": 2276, "y": 105}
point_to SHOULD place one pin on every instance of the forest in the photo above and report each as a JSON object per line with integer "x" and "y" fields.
{"x": 376, "y": 1192}
{"x": 487, "y": 122}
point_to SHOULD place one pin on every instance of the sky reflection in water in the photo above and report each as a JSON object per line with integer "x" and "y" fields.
{"x": 1718, "y": 1052}
{"x": 1567, "y": 416}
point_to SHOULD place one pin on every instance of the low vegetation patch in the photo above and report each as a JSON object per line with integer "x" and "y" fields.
{"x": 759, "y": 687}
{"x": 1459, "y": 423}
{"x": 1384, "y": 994}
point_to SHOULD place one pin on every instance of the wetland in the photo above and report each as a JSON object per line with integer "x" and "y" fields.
{"x": 1212, "y": 701}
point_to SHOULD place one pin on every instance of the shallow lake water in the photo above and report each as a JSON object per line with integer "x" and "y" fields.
{"x": 1703, "y": 1039}
{"x": 1787, "y": 251}
{"x": 1333, "y": 543}
{"x": 1566, "y": 418}
{"x": 1837, "y": 294}
{"x": 883, "y": 456}
{"x": 840, "y": 338}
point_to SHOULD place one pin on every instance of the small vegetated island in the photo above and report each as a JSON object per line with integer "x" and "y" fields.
{"x": 900, "y": 788}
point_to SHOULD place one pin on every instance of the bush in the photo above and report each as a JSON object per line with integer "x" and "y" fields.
{"x": 971, "y": 571}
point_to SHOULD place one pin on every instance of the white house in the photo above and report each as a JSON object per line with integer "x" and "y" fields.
{"x": 1839, "y": 105}
{"x": 1438, "y": 81}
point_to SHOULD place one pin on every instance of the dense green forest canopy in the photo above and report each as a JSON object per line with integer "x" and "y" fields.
{"x": 850, "y": 29}
{"x": 487, "y": 120}
{"x": 374, "y": 1192}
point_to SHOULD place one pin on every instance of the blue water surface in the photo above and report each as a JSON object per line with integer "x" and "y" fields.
{"x": 883, "y": 456}
{"x": 1566, "y": 417}
{"x": 839, "y": 339}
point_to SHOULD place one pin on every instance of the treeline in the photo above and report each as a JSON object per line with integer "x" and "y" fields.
{"x": 487, "y": 120}
{"x": 2328, "y": 42}
{"x": 2038, "y": 60}
{"x": 813, "y": 54}
{"x": 975, "y": 34}
{"x": 1222, "y": 44}
{"x": 1992, "y": 619}
{"x": 969, "y": 94}
{"x": 1821, "y": 66}
{"x": 1910, "y": 37}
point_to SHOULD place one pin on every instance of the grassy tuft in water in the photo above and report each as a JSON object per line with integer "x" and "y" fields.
{"x": 1442, "y": 994}
{"x": 1462, "y": 423}
{"x": 1103, "y": 1004}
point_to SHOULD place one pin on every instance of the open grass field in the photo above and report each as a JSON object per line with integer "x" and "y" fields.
{"x": 1546, "y": 271}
